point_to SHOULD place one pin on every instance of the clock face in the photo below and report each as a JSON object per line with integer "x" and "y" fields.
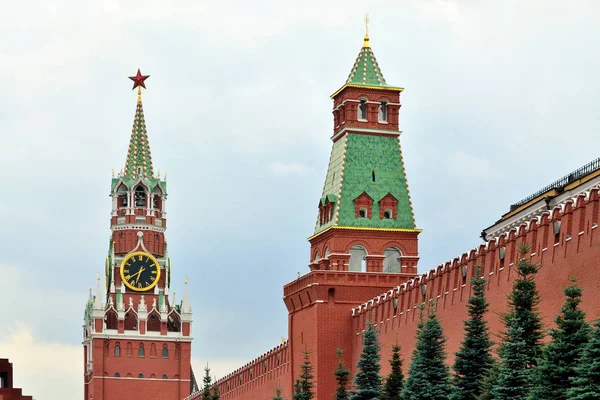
{"x": 140, "y": 271}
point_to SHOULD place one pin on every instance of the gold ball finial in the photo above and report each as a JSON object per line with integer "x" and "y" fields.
{"x": 98, "y": 276}
{"x": 186, "y": 280}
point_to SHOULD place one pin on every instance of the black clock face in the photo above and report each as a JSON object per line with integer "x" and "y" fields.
{"x": 140, "y": 271}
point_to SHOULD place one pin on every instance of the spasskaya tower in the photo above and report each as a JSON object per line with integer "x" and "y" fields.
{"x": 136, "y": 337}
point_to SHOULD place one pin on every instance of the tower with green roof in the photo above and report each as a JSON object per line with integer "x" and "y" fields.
{"x": 365, "y": 219}
{"x": 133, "y": 327}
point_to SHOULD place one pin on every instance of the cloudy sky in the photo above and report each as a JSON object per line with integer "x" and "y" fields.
{"x": 501, "y": 98}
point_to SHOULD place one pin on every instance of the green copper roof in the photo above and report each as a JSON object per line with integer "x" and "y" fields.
{"x": 371, "y": 164}
{"x": 366, "y": 70}
{"x": 131, "y": 182}
{"x": 139, "y": 159}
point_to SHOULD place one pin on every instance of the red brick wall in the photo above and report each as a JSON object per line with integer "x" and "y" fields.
{"x": 575, "y": 254}
{"x": 259, "y": 378}
{"x": 339, "y": 242}
{"x": 321, "y": 321}
{"x": 346, "y": 112}
{"x": 103, "y": 385}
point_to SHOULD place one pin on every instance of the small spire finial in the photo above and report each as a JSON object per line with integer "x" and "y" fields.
{"x": 366, "y": 43}
{"x": 98, "y": 277}
{"x": 186, "y": 280}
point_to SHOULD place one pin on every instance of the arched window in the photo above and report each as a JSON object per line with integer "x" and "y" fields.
{"x": 140, "y": 375}
{"x": 173, "y": 323}
{"x": 129, "y": 349}
{"x": 122, "y": 197}
{"x": 117, "y": 375}
{"x": 141, "y": 352}
{"x": 358, "y": 256}
{"x": 317, "y": 256}
{"x": 383, "y": 111}
{"x": 392, "y": 260}
{"x": 130, "y": 321}
{"x": 362, "y": 213}
{"x": 362, "y": 110}
{"x": 140, "y": 196}
{"x": 111, "y": 319}
{"x": 165, "y": 351}
{"x": 165, "y": 376}
{"x": 117, "y": 350}
{"x": 153, "y": 350}
{"x": 387, "y": 214}
{"x": 153, "y": 324}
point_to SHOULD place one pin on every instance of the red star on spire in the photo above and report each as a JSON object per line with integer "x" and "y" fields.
{"x": 138, "y": 79}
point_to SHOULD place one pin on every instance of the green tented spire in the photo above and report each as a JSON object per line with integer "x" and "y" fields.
{"x": 366, "y": 70}
{"x": 139, "y": 159}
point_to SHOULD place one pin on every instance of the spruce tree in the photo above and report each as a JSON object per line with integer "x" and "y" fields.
{"x": 215, "y": 395}
{"x": 513, "y": 380}
{"x": 206, "y": 380}
{"x": 522, "y": 302}
{"x": 368, "y": 380}
{"x": 297, "y": 390}
{"x": 342, "y": 376}
{"x": 428, "y": 375}
{"x": 489, "y": 382}
{"x": 392, "y": 389}
{"x": 304, "y": 385}
{"x": 473, "y": 359}
{"x": 586, "y": 384}
{"x": 520, "y": 348}
{"x": 552, "y": 377}
{"x": 278, "y": 395}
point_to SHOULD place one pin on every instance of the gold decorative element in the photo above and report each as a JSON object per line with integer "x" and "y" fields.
{"x": 360, "y": 228}
{"x": 139, "y": 94}
{"x": 186, "y": 280}
{"x": 98, "y": 276}
{"x": 366, "y": 43}
{"x": 141, "y": 287}
{"x": 390, "y": 88}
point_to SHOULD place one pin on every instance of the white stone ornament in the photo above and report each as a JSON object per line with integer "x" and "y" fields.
{"x": 142, "y": 305}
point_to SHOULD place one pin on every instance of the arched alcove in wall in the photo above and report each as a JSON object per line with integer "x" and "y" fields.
{"x": 392, "y": 261}
{"x": 358, "y": 261}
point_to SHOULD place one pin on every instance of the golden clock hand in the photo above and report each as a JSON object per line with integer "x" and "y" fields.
{"x": 138, "y": 274}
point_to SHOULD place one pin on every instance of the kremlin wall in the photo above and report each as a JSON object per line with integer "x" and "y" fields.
{"x": 574, "y": 251}
{"x": 364, "y": 222}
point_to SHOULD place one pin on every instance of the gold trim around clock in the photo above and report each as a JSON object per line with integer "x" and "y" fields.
{"x": 131, "y": 255}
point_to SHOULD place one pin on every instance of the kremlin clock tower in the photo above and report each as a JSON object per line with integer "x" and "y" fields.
{"x": 136, "y": 338}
